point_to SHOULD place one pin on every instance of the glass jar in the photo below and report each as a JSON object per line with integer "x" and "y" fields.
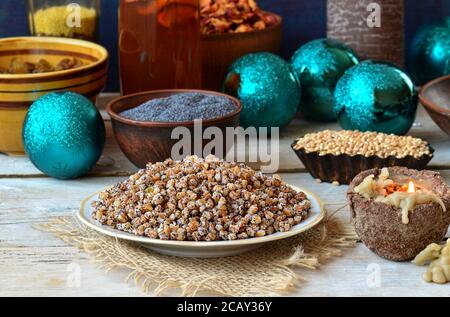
{"x": 159, "y": 45}
{"x": 64, "y": 18}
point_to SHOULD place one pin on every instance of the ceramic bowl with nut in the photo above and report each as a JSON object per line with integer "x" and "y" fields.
{"x": 232, "y": 29}
{"x": 31, "y": 67}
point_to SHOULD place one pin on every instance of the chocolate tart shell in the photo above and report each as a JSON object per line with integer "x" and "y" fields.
{"x": 343, "y": 168}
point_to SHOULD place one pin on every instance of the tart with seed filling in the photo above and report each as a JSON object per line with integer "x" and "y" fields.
{"x": 338, "y": 156}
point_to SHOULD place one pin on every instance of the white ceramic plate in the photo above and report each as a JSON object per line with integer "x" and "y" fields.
{"x": 203, "y": 249}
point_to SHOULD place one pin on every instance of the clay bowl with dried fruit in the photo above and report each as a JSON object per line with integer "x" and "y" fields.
{"x": 435, "y": 97}
{"x": 221, "y": 50}
{"x": 31, "y": 67}
{"x": 145, "y": 141}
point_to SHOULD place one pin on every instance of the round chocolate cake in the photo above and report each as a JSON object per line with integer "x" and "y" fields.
{"x": 380, "y": 225}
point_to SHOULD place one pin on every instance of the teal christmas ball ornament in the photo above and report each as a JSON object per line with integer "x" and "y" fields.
{"x": 430, "y": 52}
{"x": 268, "y": 90}
{"x": 376, "y": 96}
{"x": 318, "y": 65}
{"x": 63, "y": 135}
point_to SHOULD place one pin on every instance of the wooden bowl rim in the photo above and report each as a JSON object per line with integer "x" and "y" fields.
{"x": 249, "y": 33}
{"x": 45, "y": 39}
{"x": 427, "y": 102}
{"x": 169, "y": 124}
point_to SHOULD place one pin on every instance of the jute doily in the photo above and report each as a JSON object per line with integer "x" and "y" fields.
{"x": 268, "y": 271}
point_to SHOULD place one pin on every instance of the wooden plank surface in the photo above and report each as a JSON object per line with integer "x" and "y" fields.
{"x": 36, "y": 263}
{"x": 114, "y": 162}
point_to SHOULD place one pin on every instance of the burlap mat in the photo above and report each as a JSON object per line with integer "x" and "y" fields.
{"x": 268, "y": 271}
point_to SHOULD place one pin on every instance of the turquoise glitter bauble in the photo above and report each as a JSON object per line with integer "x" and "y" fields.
{"x": 376, "y": 96}
{"x": 319, "y": 64}
{"x": 430, "y": 52}
{"x": 268, "y": 90}
{"x": 64, "y": 135}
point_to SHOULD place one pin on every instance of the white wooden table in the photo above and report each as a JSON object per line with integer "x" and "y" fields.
{"x": 33, "y": 263}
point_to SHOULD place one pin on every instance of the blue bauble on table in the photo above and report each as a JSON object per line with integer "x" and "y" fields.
{"x": 64, "y": 135}
{"x": 318, "y": 65}
{"x": 376, "y": 96}
{"x": 268, "y": 90}
{"x": 430, "y": 52}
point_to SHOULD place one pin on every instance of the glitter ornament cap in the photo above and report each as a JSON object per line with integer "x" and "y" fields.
{"x": 64, "y": 135}
{"x": 376, "y": 96}
{"x": 268, "y": 90}
{"x": 319, "y": 64}
{"x": 430, "y": 52}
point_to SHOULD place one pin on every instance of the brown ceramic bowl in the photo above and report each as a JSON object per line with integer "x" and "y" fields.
{"x": 435, "y": 97}
{"x": 221, "y": 50}
{"x": 143, "y": 142}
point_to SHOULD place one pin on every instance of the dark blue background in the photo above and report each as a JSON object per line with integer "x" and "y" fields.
{"x": 303, "y": 20}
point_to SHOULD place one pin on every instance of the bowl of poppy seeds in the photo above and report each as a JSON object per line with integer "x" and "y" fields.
{"x": 143, "y": 123}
